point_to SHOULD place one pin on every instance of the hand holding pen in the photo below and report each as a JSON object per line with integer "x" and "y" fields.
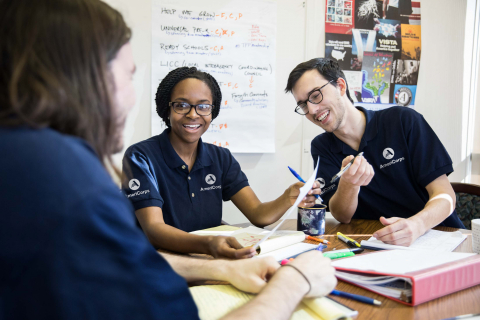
{"x": 316, "y": 186}
{"x": 355, "y": 171}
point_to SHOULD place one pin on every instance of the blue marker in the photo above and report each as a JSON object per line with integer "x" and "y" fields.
{"x": 301, "y": 180}
{"x": 356, "y": 297}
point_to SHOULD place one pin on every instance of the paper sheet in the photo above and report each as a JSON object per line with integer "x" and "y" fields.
{"x": 216, "y": 301}
{"x": 289, "y": 251}
{"x": 303, "y": 192}
{"x": 399, "y": 261}
{"x": 432, "y": 240}
{"x": 235, "y": 42}
{"x": 280, "y": 239}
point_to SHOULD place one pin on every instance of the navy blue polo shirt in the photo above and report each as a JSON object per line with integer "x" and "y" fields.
{"x": 158, "y": 177}
{"x": 69, "y": 246}
{"x": 406, "y": 156}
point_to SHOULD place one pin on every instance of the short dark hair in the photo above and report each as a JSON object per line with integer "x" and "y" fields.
{"x": 328, "y": 68}
{"x": 164, "y": 91}
{"x": 55, "y": 68}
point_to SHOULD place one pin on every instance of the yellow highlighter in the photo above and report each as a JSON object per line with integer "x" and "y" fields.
{"x": 348, "y": 240}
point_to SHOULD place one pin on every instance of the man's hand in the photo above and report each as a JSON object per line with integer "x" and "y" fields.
{"x": 319, "y": 272}
{"x": 400, "y": 231}
{"x": 309, "y": 201}
{"x": 360, "y": 172}
{"x": 250, "y": 275}
{"x": 228, "y": 247}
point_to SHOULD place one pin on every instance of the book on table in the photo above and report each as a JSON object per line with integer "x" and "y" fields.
{"x": 282, "y": 244}
{"x": 215, "y": 301}
{"x": 411, "y": 277}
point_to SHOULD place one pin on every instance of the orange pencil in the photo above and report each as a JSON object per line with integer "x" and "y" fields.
{"x": 316, "y": 239}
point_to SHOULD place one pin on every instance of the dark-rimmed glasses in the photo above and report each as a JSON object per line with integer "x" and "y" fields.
{"x": 184, "y": 108}
{"x": 314, "y": 97}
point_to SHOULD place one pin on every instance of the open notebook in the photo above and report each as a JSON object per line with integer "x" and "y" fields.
{"x": 214, "y": 302}
{"x": 432, "y": 240}
{"x": 282, "y": 244}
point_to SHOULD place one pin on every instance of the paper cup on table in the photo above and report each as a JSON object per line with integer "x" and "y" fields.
{"x": 476, "y": 235}
{"x": 312, "y": 220}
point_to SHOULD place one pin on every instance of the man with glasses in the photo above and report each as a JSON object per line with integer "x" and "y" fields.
{"x": 401, "y": 178}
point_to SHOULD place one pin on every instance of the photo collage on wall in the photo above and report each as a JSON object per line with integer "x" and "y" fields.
{"x": 378, "y": 47}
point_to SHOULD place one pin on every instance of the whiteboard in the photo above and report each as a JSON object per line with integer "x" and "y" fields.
{"x": 233, "y": 41}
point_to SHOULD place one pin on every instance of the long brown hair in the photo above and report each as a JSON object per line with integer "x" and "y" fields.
{"x": 55, "y": 72}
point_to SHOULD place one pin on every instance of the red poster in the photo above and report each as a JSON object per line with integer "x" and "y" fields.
{"x": 339, "y": 16}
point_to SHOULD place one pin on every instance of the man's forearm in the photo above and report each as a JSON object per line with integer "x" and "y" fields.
{"x": 432, "y": 215}
{"x": 194, "y": 269}
{"x": 277, "y": 300}
{"x": 344, "y": 202}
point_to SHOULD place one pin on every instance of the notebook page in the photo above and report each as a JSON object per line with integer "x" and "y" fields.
{"x": 432, "y": 240}
{"x": 215, "y": 301}
{"x": 289, "y": 251}
{"x": 399, "y": 261}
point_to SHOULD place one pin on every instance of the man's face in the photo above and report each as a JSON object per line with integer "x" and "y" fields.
{"x": 123, "y": 68}
{"x": 330, "y": 112}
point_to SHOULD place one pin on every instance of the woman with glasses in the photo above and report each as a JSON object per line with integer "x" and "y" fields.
{"x": 177, "y": 183}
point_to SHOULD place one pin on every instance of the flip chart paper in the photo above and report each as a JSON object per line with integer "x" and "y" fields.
{"x": 235, "y": 42}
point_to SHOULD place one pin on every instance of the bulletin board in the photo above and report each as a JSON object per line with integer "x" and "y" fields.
{"x": 234, "y": 41}
{"x": 378, "y": 50}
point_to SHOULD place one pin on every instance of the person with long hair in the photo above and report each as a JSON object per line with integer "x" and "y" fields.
{"x": 177, "y": 183}
{"x": 69, "y": 244}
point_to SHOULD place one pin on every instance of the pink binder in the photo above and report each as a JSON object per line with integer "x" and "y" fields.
{"x": 436, "y": 282}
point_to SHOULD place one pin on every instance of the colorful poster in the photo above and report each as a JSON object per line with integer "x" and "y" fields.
{"x": 411, "y": 42}
{"x": 339, "y": 16}
{"x": 385, "y": 51}
{"x": 376, "y": 72}
{"x": 405, "y": 95}
{"x": 389, "y": 36}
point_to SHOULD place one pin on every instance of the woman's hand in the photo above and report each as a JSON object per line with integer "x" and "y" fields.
{"x": 228, "y": 247}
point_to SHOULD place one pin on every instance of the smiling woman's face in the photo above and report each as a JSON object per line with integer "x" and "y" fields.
{"x": 188, "y": 128}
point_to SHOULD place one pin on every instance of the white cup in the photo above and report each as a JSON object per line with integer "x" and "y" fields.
{"x": 476, "y": 235}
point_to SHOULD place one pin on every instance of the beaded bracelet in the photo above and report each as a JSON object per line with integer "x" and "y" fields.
{"x": 309, "y": 284}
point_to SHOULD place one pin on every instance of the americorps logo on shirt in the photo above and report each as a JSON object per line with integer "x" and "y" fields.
{"x": 134, "y": 184}
{"x": 210, "y": 179}
{"x": 321, "y": 181}
{"x": 388, "y": 154}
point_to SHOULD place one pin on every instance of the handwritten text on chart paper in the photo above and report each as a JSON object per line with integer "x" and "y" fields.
{"x": 235, "y": 43}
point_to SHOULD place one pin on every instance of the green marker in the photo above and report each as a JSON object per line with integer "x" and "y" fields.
{"x": 336, "y": 255}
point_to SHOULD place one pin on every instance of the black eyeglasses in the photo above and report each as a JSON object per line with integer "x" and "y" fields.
{"x": 314, "y": 97}
{"x": 184, "y": 108}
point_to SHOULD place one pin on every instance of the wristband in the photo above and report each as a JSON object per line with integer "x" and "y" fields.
{"x": 309, "y": 284}
{"x": 445, "y": 196}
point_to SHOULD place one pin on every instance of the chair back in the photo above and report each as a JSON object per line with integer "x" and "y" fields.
{"x": 468, "y": 202}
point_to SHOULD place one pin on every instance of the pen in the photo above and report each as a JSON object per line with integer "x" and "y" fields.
{"x": 301, "y": 180}
{"x": 338, "y": 175}
{"x": 307, "y": 237}
{"x": 348, "y": 240}
{"x": 356, "y": 297}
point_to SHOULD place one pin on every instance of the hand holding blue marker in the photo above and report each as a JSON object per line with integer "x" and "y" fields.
{"x": 301, "y": 180}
